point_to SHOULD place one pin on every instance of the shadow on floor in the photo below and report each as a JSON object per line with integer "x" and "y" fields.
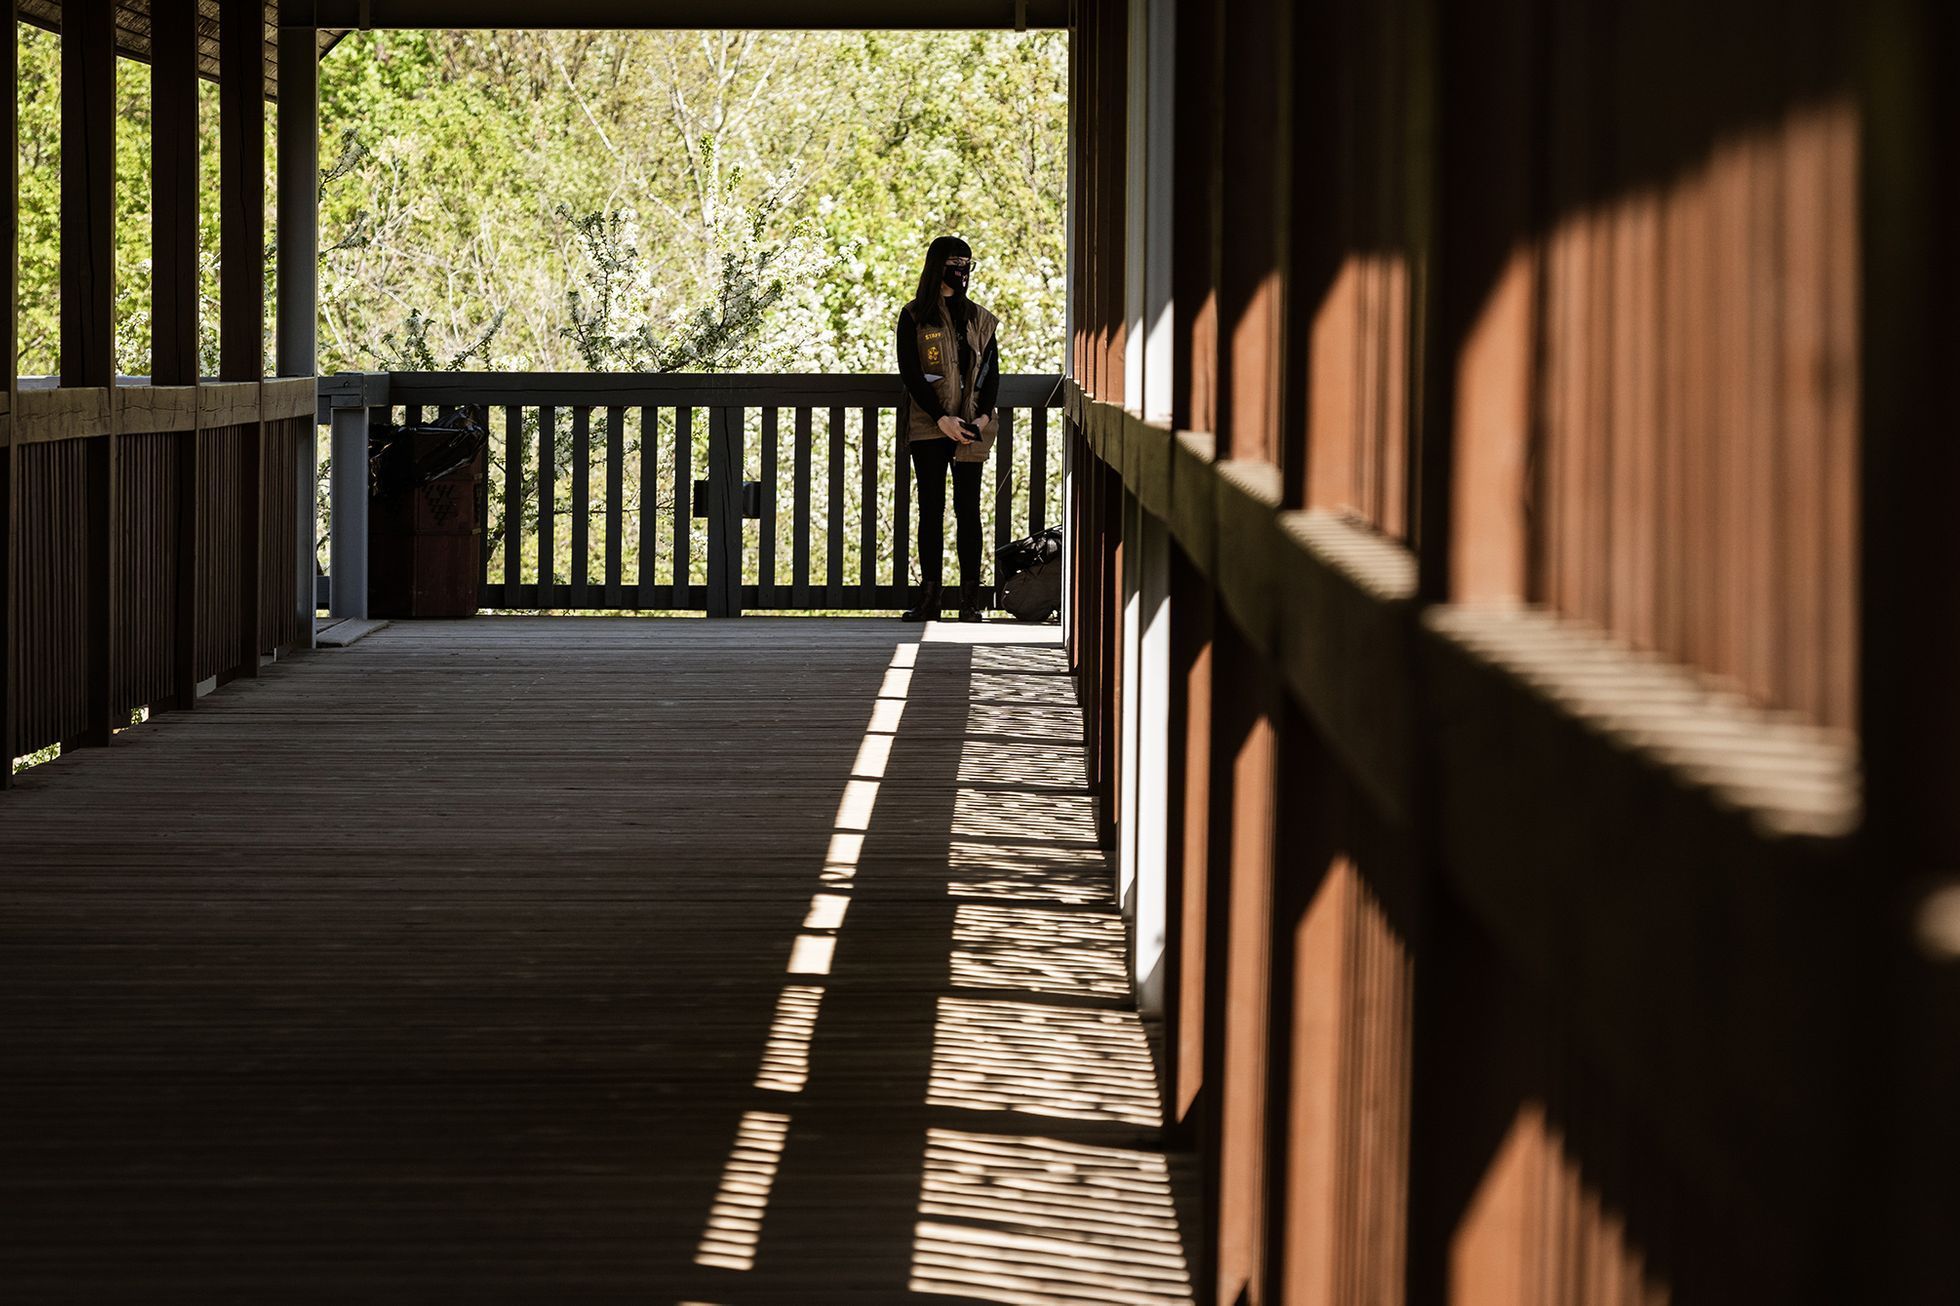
{"x": 558, "y": 960}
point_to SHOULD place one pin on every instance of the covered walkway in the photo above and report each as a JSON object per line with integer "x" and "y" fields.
{"x": 584, "y": 959}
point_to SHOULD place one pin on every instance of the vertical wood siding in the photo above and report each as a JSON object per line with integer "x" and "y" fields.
{"x": 221, "y": 490}
{"x": 279, "y": 611}
{"x": 147, "y": 606}
{"x": 52, "y": 501}
{"x": 1697, "y": 368}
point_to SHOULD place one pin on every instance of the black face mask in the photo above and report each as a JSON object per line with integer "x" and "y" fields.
{"x": 956, "y": 278}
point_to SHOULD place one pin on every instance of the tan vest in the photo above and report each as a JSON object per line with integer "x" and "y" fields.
{"x": 939, "y": 355}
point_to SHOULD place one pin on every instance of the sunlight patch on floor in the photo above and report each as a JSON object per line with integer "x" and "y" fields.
{"x": 1061, "y": 724}
{"x": 1073, "y": 1063}
{"x": 1029, "y": 765}
{"x": 1049, "y": 874}
{"x": 997, "y": 946}
{"x": 1037, "y": 1220}
{"x": 811, "y": 954}
{"x": 786, "y": 1054}
{"x": 992, "y": 632}
{"x": 735, "y": 1220}
{"x": 1048, "y": 659}
{"x": 1060, "y": 818}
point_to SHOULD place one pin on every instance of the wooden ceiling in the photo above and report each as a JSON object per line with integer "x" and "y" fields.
{"x": 133, "y": 34}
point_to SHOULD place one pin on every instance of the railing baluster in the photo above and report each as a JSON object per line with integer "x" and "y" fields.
{"x": 683, "y": 504}
{"x": 1037, "y": 471}
{"x": 513, "y": 504}
{"x": 1004, "y": 480}
{"x": 765, "y": 574}
{"x": 725, "y": 430}
{"x": 800, "y": 508}
{"x": 615, "y": 496}
{"x": 834, "y": 543}
{"x": 868, "y": 507}
{"x": 649, "y": 508}
{"x": 581, "y": 573}
{"x": 902, "y": 506}
{"x": 547, "y": 505}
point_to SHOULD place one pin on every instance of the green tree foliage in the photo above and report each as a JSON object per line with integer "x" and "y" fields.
{"x": 668, "y": 201}
{"x": 621, "y": 201}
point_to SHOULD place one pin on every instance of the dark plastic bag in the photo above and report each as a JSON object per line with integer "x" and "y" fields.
{"x": 404, "y": 458}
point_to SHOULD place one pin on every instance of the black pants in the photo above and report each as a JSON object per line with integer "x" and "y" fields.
{"x": 930, "y": 459}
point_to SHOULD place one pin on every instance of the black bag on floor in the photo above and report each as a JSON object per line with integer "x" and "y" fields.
{"x": 1030, "y": 576}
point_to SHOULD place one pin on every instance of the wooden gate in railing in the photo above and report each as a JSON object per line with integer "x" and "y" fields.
{"x": 720, "y": 494}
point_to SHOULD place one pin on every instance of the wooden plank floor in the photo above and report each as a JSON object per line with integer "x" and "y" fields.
{"x": 569, "y": 960}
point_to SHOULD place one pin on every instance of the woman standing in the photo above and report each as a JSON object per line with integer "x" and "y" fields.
{"x": 951, "y": 368}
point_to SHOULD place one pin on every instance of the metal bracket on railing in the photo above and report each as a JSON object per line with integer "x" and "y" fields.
{"x": 751, "y": 499}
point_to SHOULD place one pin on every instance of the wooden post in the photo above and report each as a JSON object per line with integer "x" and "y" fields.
{"x": 1112, "y": 100}
{"x": 1187, "y": 800}
{"x": 1194, "y": 216}
{"x": 1248, "y": 284}
{"x": 241, "y": 275}
{"x": 9, "y": 352}
{"x": 299, "y": 272}
{"x": 173, "y": 209}
{"x": 173, "y": 309}
{"x": 88, "y": 192}
{"x": 1242, "y": 819}
{"x": 1910, "y": 633}
{"x": 725, "y": 512}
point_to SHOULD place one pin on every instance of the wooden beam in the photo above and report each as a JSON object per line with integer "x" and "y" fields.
{"x": 241, "y": 278}
{"x": 9, "y": 352}
{"x": 299, "y": 282}
{"x": 691, "y": 15}
{"x": 88, "y": 193}
{"x": 1115, "y": 209}
{"x": 298, "y": 183}
{"x": 241, "y": 199}
{"x": 1248, "y": 269}
{"x": 1909, "y": 706}
{"x": 1194, "y": 216}
{"x": 173, "y": 207}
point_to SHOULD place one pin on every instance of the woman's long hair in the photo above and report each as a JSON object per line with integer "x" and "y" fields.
{"x": 925, "y": 304}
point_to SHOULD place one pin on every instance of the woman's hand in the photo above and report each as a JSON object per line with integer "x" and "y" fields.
{"x": 950, "y": 427}
{"x": 984, "y": 421}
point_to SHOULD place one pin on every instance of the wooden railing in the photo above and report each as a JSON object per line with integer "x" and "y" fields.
{"x": 719, "y": 494}
{"x": 152, "y": 547}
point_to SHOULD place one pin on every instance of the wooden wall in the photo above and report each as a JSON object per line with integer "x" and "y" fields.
{"x": 1542, "y": 899}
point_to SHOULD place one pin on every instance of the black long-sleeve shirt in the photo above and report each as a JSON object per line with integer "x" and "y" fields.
{"x": 921, "y": 390}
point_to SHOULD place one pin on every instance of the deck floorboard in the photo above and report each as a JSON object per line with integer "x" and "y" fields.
{"x": 542, "y": 960}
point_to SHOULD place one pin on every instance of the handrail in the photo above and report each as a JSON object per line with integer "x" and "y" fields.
{"x": 667, "y": 389}
{"x": 601, "y": 514}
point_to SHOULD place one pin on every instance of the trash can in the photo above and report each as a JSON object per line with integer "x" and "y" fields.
{"x": 425, "y": 529}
